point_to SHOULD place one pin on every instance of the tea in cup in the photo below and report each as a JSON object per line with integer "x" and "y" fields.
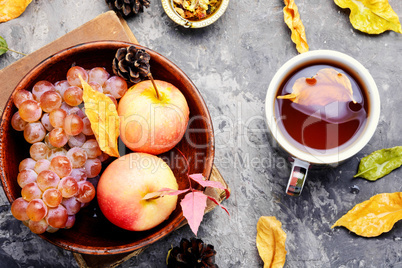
{"x": 322, "y": 107}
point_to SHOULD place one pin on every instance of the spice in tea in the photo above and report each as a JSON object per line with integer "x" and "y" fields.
{"x": 321, "y": 107}
{"x": 196, "y": 9}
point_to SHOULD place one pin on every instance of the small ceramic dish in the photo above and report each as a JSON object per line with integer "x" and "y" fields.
{"x": 92, "y": 233}
{"x": 168, "y": 6}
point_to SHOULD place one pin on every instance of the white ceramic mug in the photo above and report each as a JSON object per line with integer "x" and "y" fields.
{"x": 304, "y": 158}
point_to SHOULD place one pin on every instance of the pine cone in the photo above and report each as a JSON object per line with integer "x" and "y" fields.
{"x": 192, "y": 254}
{"x": 132, "y": 64}
{"x": 128, "y": 7}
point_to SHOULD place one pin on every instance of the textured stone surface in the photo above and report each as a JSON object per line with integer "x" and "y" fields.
{"x": 232, "y": 63}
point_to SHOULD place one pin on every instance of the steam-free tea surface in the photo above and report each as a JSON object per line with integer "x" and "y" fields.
{"x": 322, "y": 120}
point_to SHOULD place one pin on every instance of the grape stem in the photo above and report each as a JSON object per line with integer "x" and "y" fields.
{"x": 155, "y": 87}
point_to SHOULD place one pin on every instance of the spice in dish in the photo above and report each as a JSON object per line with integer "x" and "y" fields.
{"x": 196, "y": 9}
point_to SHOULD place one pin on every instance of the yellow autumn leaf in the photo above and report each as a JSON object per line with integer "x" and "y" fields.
{"x": 327, "y": 86}
{"x": 271, "y": 242}
{"x": 371, "y": 16}
{"x": 292, "y": 19}
{"x": 375, "y": 216}
{"x": 102, "y": 114}
{"x": 11, "y": 9}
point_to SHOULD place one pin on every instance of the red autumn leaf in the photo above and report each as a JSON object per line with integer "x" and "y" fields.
{"x": 193, "y": 206}
{"x": 216, "y": 202}
{"x": 162, "y": 192}
{"x": 198, "y": 177}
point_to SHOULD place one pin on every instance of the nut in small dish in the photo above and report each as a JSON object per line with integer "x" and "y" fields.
{"x": 194, "y": 13}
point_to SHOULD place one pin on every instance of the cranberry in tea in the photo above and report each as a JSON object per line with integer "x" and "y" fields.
{"x": 321, "y": 107}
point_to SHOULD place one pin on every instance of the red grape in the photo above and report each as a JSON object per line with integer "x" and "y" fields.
{"x": 73, "y": 96}
{"x": 46, "y": 122}
{"x": 27, "y": 163}
{"x": 95, "y": 86}
{"x": 93, "y": 167}
{"x": 92, "y": 148}
{"x": 56, "y": 152}
{"x": 57, "y": 217}
{"x": 50, "y": 100}
{"x": 20, "y": 96}
{"x": 36, "y": 210}
{"x": 86, "y": 192}
{"x": 68, "y": 187}
{"x": 58, "y": 137}
{"x": 17, "y": 122}
{"x": 38, "y": 151}
{"x": 41, "y": 87}
{"x": 65, "y": 107}
{"x": 87, "y": 130}
{"x": 34, "y": 132}
{"x": 19, "y": 209}
{"x": 77, "y": 141}
{"x": 70, "y": 221}
{"x": 73, "y": 75}
{"x": 98, "y": 75}
{"x": 26, "y": 176}
{"x": 52, "y": 197}
{"x": 41, "y": 165}
{"x": 72, "y": 205}
{"x": 56, "y": 117}
{"x": 38, "y": 227}
{"x": 61, "y": 87}
{"x": 79, "y": 174}
{"x": 77, "y": 111}
{"x": 73, "y": 125}
{"x": 30, "y": 111}
{"x": 103, "y": 157}
{"x": 31, "y": 191}
{"x": 47, "y": 179}
{"x": 77, "y": 156}
{"x": 116, "y": 86}
{"x": 61, "y": 165}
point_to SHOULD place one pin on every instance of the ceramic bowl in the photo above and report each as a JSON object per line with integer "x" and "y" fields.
{"x": 168, "y": 6}
{"x": 92, "y": 232}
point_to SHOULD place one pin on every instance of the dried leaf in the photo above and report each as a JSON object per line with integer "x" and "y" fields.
{"x": 11, "y": 9}
{"x": 292, "y": 19}
{"x": 371, "y": 16}
{"x": 162, "y": 192}
{"x": 380, "y": 163}
{"x": 199, "y": 178}
{"x": 271, "y": 242}
{"x": 102, "y": 114}
{"x": 326, "y": 87}
{"x": 193, "y": 206}
{"x": 375, "y": 216}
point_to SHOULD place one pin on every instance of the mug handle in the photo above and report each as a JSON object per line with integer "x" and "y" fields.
{"x": 297, "y": 177}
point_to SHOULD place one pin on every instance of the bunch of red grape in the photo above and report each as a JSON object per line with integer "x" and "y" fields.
{"x": 64, "y": 151}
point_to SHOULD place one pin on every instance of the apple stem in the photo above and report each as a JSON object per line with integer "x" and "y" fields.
{"x": 155, "y": 87}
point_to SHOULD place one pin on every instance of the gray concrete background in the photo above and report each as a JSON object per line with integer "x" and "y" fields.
{"x": 232, "y": 63}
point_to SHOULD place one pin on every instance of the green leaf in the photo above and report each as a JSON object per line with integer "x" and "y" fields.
{"x": 380, "y": 163}
{"x": 3, "y": 46}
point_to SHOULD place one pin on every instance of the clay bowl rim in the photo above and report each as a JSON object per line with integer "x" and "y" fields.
{"x": 108, "y": 44}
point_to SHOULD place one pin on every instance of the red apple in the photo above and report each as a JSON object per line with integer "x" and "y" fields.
{"x": 126, "y": 181}
{"x": 150, "y": 124}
